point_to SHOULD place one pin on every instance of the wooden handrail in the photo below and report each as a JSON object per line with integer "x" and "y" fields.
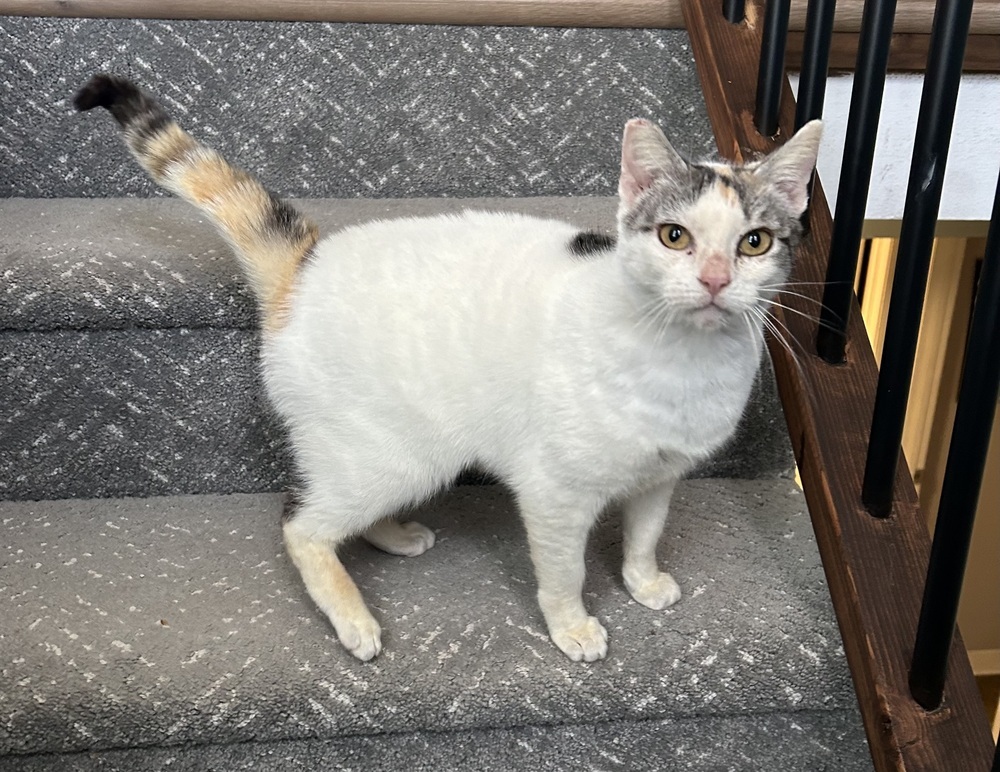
{"x": 914, "y": 15}
{"x": 908, "y": 52}
{"x": 875, "y": 567}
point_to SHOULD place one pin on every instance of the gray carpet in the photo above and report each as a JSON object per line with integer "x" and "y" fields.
{"x": 128, "y": 351}
{"x": 152, "y": 622}
{"x": 171, "y": 633}
{"x": 806, "y": 741}
{"x": 343, "y": 110}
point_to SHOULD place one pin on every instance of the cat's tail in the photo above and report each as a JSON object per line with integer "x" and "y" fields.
{"x": 270, "y": 237}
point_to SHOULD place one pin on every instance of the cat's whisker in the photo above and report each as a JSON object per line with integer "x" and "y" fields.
{"x": 789, "y": 335}
{"x": 755, "y": 331}
{"x": 810, "y": 317}
{"x": 668, "y": 317}
{"x": 773, "y": 329}
{"x": 803, "y": 284}
{"x": 811, "y": 300}
{"x": 798, "y": 295}
{"x": 654, "y": 310}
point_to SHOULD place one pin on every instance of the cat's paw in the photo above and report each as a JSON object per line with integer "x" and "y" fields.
{"x": 658, "y": 593}
{"x": 586, "y": 642}
{"x": 362, "y": 636}
{"x": 406, "y": 539}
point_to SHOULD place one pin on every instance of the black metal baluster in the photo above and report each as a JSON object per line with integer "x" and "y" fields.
{"x": 855, "y": 176}
{"x": 970, "y": 441}
{"x": 733, "y": 10}
{"x": 923, "y": 197}
{"x": 815, "y": 61}
{"x": 771, "y": 69}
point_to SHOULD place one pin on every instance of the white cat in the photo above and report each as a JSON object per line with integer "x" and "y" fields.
{"x": 580, "y": 369}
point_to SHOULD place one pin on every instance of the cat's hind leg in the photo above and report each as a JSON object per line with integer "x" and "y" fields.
{"x": 408, "y": 539}
{"x": 312, "y": 543}
{"x": 644, "y": 516}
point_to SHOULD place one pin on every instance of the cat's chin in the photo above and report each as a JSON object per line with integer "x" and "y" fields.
{"x": 709, "y": 317}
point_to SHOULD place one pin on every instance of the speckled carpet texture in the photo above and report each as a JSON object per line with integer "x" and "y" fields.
{"x": 342, "y": 110}
{"x": 149, "y": 618}
{"x": 160, "y": 622}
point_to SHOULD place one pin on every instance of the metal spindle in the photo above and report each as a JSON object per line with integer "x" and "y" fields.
{"x": 733, "y": 10}
{"x": 815, "y": 61}
{"x": 923, "y": 197}
{"x": 771, "y": 69}
{"x": 855, "y": 175}
{"x": 970, "y": 441}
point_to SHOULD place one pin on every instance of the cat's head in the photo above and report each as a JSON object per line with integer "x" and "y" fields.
{"x": 708, "y": 242}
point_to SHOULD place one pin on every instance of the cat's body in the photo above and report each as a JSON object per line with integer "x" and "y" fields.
{"x": 400, "y": 352}
{"x": 516, "y": 331}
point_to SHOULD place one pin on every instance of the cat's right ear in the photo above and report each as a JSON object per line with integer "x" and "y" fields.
{"x": 647, "y": 156}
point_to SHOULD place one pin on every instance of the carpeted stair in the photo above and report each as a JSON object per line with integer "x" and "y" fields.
{"x": 150, "y": 619}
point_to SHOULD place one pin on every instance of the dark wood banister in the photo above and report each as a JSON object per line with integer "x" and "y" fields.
{"x": 875, "y": 568}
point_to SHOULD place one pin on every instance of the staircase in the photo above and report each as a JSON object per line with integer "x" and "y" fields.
{"x": 150, "y": 617}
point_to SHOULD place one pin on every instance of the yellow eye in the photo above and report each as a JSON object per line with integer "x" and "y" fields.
{"x": 755, "y": 243}
{"x": 675, "y": 236}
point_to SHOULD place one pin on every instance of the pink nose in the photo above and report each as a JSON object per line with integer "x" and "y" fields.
{"x": 714, "y": 282}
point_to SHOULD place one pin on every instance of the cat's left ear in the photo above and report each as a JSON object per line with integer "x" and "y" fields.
{"x": 647, "y": 156}
{"x": 789, "y": 168}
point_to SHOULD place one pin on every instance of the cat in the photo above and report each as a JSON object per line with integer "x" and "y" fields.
{"x": 582, "y": 370}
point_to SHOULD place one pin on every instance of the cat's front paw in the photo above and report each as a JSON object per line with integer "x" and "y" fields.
{"x": 361, "y": 636}
{"x": 658, "y": 593}
{"x": 585, "y": 642}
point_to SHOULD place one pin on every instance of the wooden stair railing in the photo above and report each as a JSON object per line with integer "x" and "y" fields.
{"x": 875, "y": 567}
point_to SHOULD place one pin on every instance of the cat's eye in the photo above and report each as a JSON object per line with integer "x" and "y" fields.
{"x": 756, "y": 243}
{"x": 675, "y": 236}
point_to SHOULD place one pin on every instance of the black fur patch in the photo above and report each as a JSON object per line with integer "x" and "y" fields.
{"x": 590, "y": 243}
{"x": 283, "y": 219}
{"x": 124, "y": 100}
{"x": 291, "y": 506}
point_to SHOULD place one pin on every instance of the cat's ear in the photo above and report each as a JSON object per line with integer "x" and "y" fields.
{"x": 789, "y": 168}
{"x": 646, "y": 157}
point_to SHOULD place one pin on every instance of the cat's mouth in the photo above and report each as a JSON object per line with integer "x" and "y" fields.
{"x": 710, "y": 315}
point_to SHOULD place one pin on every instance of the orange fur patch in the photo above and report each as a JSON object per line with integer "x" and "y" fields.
{"x": 728, "y": 192}
{"x": 167, "y": 147}
{"x": 242, "y": 209}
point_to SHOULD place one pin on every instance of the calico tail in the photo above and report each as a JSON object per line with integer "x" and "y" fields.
{"x": 270, "y": 238}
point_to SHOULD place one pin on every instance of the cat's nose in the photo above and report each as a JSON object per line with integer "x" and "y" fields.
{"x": 714, "y": 282}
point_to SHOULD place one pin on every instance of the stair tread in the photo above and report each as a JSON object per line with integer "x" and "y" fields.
{"x": 805, "y": 740}
{"x": 172, "y": 620}
{"x": 119, "y": 263}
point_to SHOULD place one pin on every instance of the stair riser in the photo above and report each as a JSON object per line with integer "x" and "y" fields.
{"x": 100, "y": 414}
{"x": 135, "y": 413}
{"x": 342, "y": 110}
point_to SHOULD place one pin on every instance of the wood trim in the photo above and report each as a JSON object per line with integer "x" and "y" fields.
{"x": 545, "y": 13}
{"x": 942, "y": 418}
{"x": 944, "y": 281}
{"x": 874, "y": 567}
{"x": 914, "y": 15}
{"x": 878, "y": 288}
{"x": 985, "y": 661}
{"x": 907, "y": 53}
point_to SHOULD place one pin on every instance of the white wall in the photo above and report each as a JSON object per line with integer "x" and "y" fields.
{"x": 973, "y": 161}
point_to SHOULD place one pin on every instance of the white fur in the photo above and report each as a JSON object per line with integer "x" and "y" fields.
{"x": 415, "y": 348}
{"x": 418, "y": 347}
